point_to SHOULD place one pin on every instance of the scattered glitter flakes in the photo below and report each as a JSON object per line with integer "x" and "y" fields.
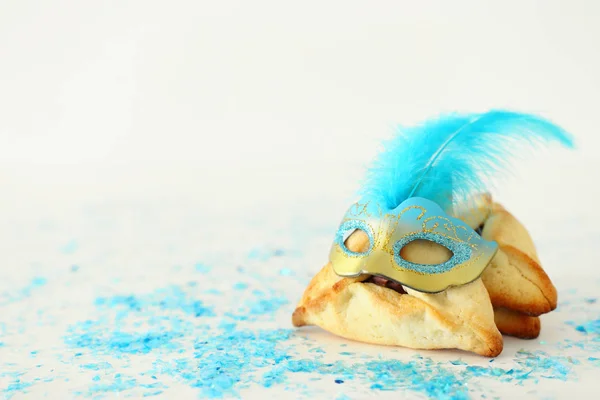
{"x": 594, "y": 361}
{"x": 265, "y": 304}
{"x": 265, "y": 254}
{"x": 118, "y": 383}
{"x": 70, "y": 247}
{"x": 240, "y": 286}
{"x": 23, "y": 293}
{"x": 16, "y": 386}
{"x": 161, "y": 326}
{"x": 93, "y": 336}
{"x": 190, "y": 334}
{"x": 591, "y": 327}
{"x": 171, "y": 298}
{"x": 202, "y": 268}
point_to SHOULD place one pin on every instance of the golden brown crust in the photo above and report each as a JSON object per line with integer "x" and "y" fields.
{"x": 515, "y": 324}
{"x": 460, "y": 317}
{"x": 369, "y": 313}
{"x": 515, "y": 278}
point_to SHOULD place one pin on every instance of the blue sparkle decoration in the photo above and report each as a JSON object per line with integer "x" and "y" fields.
{"x": 169, "y": 335}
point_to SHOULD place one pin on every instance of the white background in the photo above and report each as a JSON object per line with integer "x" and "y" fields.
{"x": 233, "y": 101}
{"x": 228, "y": 104}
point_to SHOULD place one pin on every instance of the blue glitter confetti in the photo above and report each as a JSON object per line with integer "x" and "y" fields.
{"x": 70, "y": 248}
{"x": 240, "y": 286}
{"x": 23, "y": 293}
{"x": 589, "y": 327}
{"x": 171, "y": 298}
{"x": 189, "y": 335}
{"x": 202, "y": 268}
{"x": 264, "y": 254}
{"x": 169, "y": 311}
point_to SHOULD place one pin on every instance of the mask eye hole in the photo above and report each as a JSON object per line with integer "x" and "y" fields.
{"x": 357, "y": 241}
{"x": 428, "y": 262}
{"x": 355, "y": 238}
{"x": 425, "y": 252}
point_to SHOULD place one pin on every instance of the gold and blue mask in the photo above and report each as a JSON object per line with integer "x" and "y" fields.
{"x": 390, "y": 230}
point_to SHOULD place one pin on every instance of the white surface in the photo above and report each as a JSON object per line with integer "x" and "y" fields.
{"x": 223, "y": 108}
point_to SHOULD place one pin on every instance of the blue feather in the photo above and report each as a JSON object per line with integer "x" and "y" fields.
{"x": 454, "y": 156}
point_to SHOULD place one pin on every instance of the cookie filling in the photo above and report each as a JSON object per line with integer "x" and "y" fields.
{"x": 479, "y": 230}
{"x": 379, "y": 281}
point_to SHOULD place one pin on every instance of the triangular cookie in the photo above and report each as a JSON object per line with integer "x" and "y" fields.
{"x": 355, "y": 308}
{"x": 514, "y": 279}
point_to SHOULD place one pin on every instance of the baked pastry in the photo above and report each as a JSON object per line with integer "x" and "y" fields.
{"x": 514, "y": 323}
{"x": 362, "y": 309}
{"x": 519, "y": 288}
{"x": 414, "y": 264}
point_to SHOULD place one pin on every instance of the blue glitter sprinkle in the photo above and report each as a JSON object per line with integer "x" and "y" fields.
{"x": 70, "y": 248}
{"x": 264, "y": 254}
{"x": 202, "y": 268}
{"x": 592, "y": 327}
{"x": 177, "y": 335}
{"x": 210, "y": 350}
{"x": 171, "y": 298}
{"x": 38, "y": 281}
{"x": 155, "y": 393}
{"x": 240, "y": 286}
{"x": 23, "y": 293}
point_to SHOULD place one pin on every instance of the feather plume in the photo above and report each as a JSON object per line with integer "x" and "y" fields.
{"x": 454, "y": 156}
